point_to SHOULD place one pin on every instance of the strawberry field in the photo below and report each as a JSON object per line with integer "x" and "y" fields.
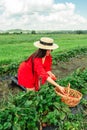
{"x": 44, "y": 110}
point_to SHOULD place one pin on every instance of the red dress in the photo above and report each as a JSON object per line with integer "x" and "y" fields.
{"x": 29, "y": 80}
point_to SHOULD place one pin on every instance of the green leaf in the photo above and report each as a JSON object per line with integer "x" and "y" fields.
{"x": 62, "y": 115}
{"x": 1, "y": 127}
{"x": 57, "y": 105}
{"x": 16, "y": 127}
{"x": 28, "y": 103}
{"x": 7, "y": 125}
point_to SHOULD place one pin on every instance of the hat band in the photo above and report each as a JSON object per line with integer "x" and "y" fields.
{"x": 45, "y": 43}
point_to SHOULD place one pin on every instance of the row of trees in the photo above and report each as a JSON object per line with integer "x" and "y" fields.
{"x": 47, "y": 32}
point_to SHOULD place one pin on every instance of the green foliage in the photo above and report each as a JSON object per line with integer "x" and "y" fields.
{"x": 29, "y": 110}
{"x": 14, "y": 48}
{"x": 8, "y": 69}
{"x": 78, "y": 80}
{"x": 65, "y": 56}
{"x": 32, "y": 109}
{"x": 11, "y": 68}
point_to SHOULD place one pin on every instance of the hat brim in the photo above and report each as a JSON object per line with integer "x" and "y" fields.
{"x": 39, "y": 45}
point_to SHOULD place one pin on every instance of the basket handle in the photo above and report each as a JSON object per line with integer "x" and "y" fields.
{"x": 68, "y": 88}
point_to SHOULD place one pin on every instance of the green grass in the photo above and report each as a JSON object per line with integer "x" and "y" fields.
{"x": 14, "y": 48}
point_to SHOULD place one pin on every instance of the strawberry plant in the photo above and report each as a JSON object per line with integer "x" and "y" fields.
{"x": 33, "y": 110}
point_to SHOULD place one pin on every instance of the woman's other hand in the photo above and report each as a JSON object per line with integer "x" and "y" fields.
{"x": 52, "y": 76}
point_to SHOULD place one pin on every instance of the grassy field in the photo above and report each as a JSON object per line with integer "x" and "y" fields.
{"x": 14, "y": 48}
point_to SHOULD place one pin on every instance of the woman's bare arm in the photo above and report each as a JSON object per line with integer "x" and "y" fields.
{"x": 61, "y": 89}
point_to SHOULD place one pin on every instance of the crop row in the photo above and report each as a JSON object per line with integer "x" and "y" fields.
{"x": 11, "y": 68}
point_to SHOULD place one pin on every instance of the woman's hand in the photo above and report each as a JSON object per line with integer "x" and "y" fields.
{"x": 61, "y": 89}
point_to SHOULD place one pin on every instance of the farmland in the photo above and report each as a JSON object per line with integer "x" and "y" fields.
{"x": 25, "y": 110}
{"x": 14, "y": 48}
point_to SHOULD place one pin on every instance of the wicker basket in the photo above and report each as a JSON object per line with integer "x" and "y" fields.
{"x": 71, "y": 97}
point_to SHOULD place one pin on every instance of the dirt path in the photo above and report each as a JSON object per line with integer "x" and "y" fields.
{"x": 61, "y": 70}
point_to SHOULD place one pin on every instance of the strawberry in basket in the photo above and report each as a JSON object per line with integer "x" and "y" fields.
{"x": 71, "y": 97}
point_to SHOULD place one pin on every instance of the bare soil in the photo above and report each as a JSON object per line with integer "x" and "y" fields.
{"x": 62, "y": 69}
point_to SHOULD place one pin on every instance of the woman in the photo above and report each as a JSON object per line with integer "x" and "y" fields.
{"x": 36, "y": 70}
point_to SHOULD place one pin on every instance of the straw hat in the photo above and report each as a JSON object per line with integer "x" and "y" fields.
{"x": 46, "y": 43}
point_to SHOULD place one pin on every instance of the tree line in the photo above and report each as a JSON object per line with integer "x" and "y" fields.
{"x": 45, "y": 31}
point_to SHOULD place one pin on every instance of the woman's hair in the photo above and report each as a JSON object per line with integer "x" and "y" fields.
{"x": 40, "y": 53}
